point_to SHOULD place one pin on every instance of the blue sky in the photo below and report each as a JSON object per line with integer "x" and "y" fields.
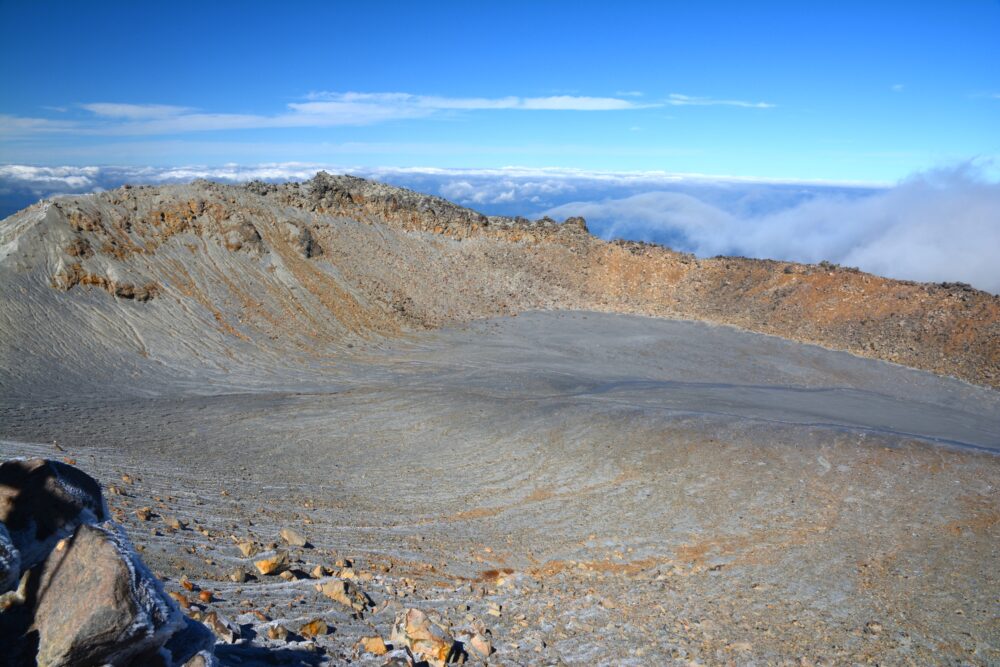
{"x": 832, "y": 91}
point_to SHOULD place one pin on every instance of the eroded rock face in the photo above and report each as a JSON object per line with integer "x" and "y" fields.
{"x": 301, "y": 239}
{"x": 238, "y": 233}
{"x": 42, "y": 501}
{"x": 98, "y": 604}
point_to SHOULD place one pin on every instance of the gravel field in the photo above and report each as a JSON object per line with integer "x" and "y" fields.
{"x": 592, "y": 488}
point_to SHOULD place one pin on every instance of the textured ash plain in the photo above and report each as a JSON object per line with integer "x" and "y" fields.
{"x": 477, "y": 412}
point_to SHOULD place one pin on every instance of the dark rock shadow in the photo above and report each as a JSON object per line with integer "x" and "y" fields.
{"x": 246, "y": 655}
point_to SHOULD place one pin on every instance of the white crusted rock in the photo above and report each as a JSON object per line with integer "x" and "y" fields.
{"x": 97, "y": 602}
{"x": 43, "y": 501}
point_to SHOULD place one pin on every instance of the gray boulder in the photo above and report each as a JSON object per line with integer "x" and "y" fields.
{"x": 98, "y": 604}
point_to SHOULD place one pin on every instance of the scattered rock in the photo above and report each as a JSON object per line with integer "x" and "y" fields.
{"x": 293, "y": 538}
{"x": 398, "y": 658}
{"x": 181, "y": 599}
{"x": 202, "y": 659}
{"x": 480, "y": 643}
{"x": 346, "y": 593}
{"x": 248, "y": 548}
{"x": 373, "y": 645}
{"x": 277, "y": 633}
{"x": 17, "y": 596}
{"x": 314, "y": 628}
{"x": 272, "y": 564}
{"x": 223, "y": 628}
{"x": 238, "y": 233}
{"x": 144, "y": 513}
{"x": 301, "y": 239}
{"x": 239, "y": 575}
{"x": 186, "y": 645}
{"x": 42, "y": 501}
{"x": 174, "y": 523}
{"x": 426, "y": 635}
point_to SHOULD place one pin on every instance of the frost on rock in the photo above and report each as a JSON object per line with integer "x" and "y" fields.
{"x": 92, "y": 600}
{"x": 98, "y": 603}
{"x": 43, "y": 501}
{"x": 10, "y": 561}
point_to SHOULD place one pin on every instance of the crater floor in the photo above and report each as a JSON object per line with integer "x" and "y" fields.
{"x": 615, "y": 489}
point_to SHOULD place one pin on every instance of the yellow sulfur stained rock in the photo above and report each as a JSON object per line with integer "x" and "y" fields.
{"x": 273, "y": 564}
{"x": 373, "y": 645}
{"x": 314, "y": 628}
{"x": 426, "y": 635}
{"x": 346, "y": 594}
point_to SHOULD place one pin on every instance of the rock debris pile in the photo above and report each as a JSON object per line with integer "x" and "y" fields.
{"x": 74, "y": 592}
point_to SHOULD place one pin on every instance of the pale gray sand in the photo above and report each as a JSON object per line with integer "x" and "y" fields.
{"x": 661, "y": 490}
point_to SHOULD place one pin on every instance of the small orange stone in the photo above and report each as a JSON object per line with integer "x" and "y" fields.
{"x": 314, "y": 628}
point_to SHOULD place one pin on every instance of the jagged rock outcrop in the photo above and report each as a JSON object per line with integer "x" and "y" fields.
{"x": 87, "y": 598}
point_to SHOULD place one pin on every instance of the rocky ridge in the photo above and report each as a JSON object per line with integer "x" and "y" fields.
{"x": 338, "y": 260}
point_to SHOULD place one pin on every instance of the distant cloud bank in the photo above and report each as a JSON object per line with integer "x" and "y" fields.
{"x": 318, "y": 109}
{"x": 941, "y": 225}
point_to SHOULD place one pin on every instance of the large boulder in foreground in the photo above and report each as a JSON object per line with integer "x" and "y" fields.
{"x": 91, "y": 600}
{"x": 426, "y": 635}
{"x": 43, "y": 501}
{"x": 98, "y": 604}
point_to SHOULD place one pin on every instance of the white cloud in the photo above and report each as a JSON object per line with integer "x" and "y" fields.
{"x": 897, "y": 88}
{"x": 322, "y": 109}
{"x": 134, "y": 111}
{"x": 941, "y": 225}
{"x": 18, "y": 126}
{"x": 406, "y": 103}
{"x": 42, "y": 179}
{"x": 678, "y": 100}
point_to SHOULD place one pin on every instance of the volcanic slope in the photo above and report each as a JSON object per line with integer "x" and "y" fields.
{"x": 237, "y": 280}
{"x": 592, "y": 484}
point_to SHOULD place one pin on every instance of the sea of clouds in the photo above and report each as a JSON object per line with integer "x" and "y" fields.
{"x": 940, "y": 225}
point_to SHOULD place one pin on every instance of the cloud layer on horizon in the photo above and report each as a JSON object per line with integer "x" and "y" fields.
{"x": 940, "y": 226}
{"x": 936, "y": 226}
